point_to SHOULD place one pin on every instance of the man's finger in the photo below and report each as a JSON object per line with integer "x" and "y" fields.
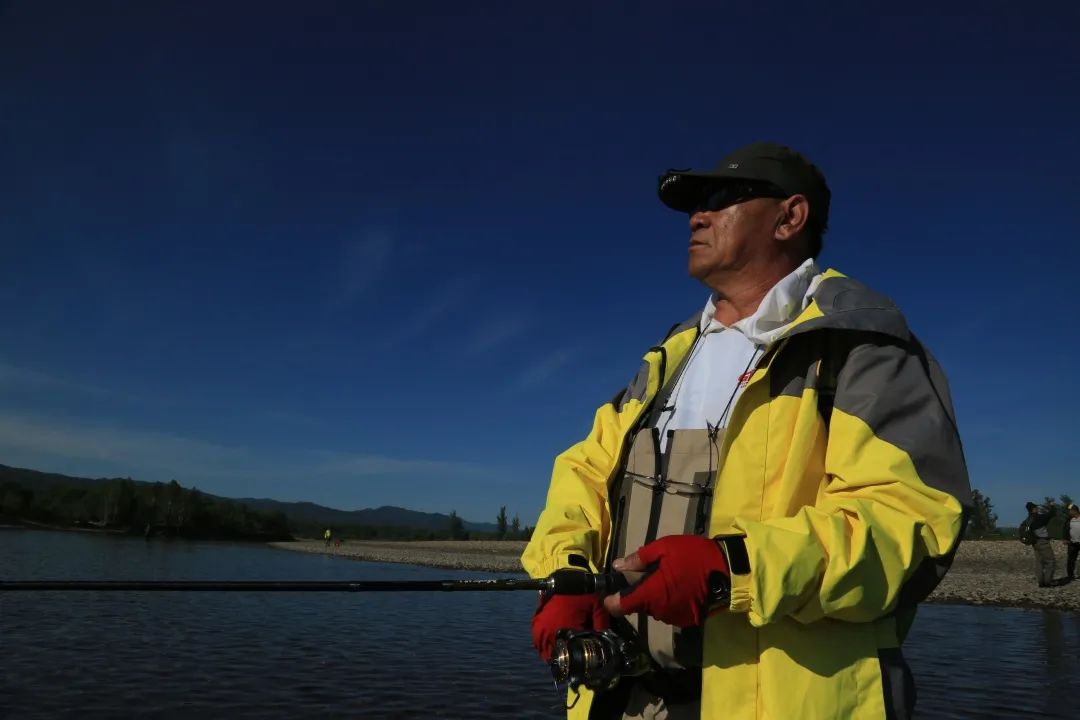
{"x": 631, "y": 563}
{"x": 613, "y": 605}
{"x": 624, "y": 602}
{"x": 635, "y": 599}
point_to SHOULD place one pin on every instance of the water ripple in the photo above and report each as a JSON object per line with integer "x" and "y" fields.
{"x": 409, "y": 655}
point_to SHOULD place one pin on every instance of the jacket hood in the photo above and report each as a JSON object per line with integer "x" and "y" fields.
{"x": 841, "y": 303}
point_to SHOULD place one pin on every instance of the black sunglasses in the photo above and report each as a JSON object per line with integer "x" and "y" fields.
{"x": 718, "y": 196}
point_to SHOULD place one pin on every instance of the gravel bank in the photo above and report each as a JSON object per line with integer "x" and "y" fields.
{"x": 1003, "y": 573}
{"x": 985, "y": 573}
{"x": 489, "y": 555}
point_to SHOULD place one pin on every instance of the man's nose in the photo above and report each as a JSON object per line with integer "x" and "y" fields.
{"x": 698, "y": 219}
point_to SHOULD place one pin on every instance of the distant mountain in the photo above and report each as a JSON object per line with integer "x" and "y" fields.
{"x": 43, "y": 480}
{"x": 385, "y": 516}
{"x": 297, "y": 512}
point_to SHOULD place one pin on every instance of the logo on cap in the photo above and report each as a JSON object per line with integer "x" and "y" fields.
{"x": 733, "y": 166}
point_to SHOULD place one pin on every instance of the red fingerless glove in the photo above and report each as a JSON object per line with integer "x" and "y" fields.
{"x": 676, "y": 591}
{"x": 579, "y": 612}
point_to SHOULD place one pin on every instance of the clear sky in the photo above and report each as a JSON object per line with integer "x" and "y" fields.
{"x": 397, "y": 252}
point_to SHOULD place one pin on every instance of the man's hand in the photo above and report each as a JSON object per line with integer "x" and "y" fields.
{"x": 675, "y": 589}
{"x": 578, "y": 612}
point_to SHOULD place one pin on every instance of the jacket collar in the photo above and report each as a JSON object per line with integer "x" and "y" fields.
{"x": 834, "y": 302}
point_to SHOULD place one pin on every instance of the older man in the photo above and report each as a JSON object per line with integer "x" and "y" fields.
{"x": 782, "y": 481}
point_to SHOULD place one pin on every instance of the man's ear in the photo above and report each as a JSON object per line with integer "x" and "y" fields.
{"x": 794, "y": 212}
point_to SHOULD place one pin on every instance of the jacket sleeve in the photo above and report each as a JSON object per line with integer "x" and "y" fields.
{"x": 889, "y": 511}
{"x": 576, "y": 519}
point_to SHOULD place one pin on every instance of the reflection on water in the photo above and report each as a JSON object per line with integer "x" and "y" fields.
{"x": 414, "y": 655}
{"x": 995, "y": 662}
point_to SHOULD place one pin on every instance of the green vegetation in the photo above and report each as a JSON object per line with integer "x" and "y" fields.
{"x": 125, "y": 506}
{"x": 983, "y": 522}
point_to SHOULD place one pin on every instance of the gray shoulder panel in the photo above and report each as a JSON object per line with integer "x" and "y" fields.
{"x": 639, "y": 384}
{"x": 847, "y": 304}
{"x": 901, "y": 393}
{"x": 692, "y": 322}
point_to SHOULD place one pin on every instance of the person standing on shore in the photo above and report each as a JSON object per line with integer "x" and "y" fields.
{"x": 1034, "y": 532}
{"x": 326, "y": 537}
{"x": 1072, "y": 541}
{"x": 783, "y": 480}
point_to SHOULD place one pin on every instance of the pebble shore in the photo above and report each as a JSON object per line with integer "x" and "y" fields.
{"x": 984, "y": 573}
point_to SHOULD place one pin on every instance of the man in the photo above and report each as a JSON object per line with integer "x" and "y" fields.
{"x": 1072, "y": 541}
{"x": 1035, "y": 533}
{"x": 785, "y": 468}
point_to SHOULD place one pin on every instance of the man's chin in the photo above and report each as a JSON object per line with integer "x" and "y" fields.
{"x": 697, "y": 270}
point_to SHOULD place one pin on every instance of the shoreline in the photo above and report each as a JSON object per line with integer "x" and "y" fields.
{"x": 990, "y": 573}
{"x": 481, "y": 555}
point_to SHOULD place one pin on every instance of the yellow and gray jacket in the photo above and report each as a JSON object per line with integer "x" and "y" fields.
{"x": 843, "y": 471}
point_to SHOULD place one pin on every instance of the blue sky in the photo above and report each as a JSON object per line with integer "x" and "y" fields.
{"x": 397, "y": 253}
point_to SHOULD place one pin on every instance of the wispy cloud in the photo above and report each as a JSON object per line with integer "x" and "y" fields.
{"x": 363, "y": 262}
{"x": 348, "y": 465}
{"x": 33, "y": 383}
{"x": 142, "y": 450}
{"x": 545, "y": 368}
{"x": 493, "y": 334}
{"x": 164, "y": 455}
{"x": 333, "y": 478}
{"x": 17, "y": 379}
{"x": 428, "y": 311}
{"x": 289, "y": 418}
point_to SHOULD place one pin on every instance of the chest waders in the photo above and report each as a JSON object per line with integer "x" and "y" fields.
{"x": 660, "y": 493}
{"x": 667, "y": 493}
{"x": 670, "y": 492}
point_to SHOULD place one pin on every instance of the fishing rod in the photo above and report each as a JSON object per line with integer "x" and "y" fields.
{"x": 594, "y": 659}
{"x": 561, "y": 582}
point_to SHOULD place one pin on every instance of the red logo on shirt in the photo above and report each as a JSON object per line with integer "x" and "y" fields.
{"x": 745, "y": 377}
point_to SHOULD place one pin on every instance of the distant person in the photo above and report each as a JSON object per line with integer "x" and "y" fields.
{"x": 1072, "y": 541}
{"x": 1033, "y": 532}
{"x": 326, "y": 537}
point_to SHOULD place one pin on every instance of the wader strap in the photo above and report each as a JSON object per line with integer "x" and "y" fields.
{"x": 663, "y": 397}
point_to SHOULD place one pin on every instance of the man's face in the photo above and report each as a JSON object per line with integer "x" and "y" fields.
{"x": 728, "y": 231}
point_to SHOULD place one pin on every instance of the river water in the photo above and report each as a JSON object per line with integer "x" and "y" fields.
{"x": 394, "y": 655}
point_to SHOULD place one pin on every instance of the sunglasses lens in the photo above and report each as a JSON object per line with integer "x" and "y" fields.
{"x": 718, "y": 197}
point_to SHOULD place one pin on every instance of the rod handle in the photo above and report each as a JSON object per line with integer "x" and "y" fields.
{"x": 569, "y": 581}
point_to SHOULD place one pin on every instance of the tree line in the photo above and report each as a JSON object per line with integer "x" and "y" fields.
{"x": 982, "y": 525}
{"x": 124, "y": 506}
{"x": 505, "y": 528}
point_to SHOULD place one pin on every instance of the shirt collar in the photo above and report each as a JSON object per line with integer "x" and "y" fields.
{"x": 782, "y": 304}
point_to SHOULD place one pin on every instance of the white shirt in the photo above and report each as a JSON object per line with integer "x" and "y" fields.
{"x": 723, "y": 356}
{"x": 1074, "y": 530}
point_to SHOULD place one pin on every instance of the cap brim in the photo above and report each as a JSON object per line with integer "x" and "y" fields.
{"x": 681, "y": 190}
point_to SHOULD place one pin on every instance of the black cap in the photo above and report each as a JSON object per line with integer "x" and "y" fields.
{"x": 1031, "y": 505}
{"x": 760, "y": 162}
